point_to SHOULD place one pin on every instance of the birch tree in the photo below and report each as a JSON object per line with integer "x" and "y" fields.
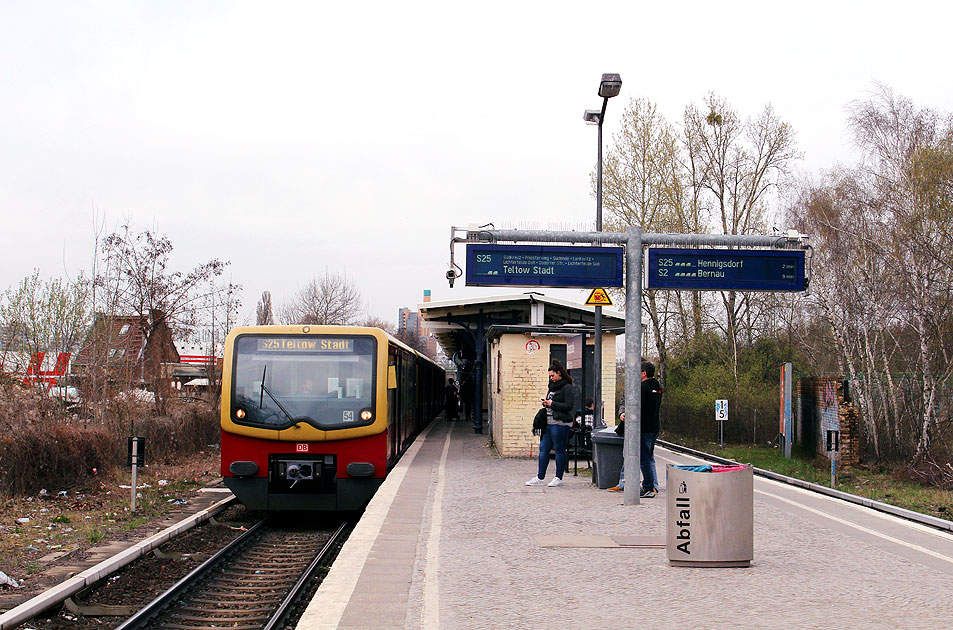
{"x": 885, "y": 283}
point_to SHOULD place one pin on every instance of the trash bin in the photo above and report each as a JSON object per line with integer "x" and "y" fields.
{"x": 709, "y": 519}
{"x": 606, "y": 458}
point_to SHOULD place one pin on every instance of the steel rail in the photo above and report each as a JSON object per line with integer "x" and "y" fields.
{"x": 156, "y": 606}
{"x": 267, "y": 616}
{"x": 910, "y": 515}
{"x": 302, "y": 583}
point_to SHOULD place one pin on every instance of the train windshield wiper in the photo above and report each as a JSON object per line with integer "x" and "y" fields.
{"x": 265, "y": 390}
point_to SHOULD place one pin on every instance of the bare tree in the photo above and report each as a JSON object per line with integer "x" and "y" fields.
{"x": 137, "y": 269}
{"x": 415, "y": 341}
{"x": 47, "y": 316}
{"x": 331, "y": 299}
{"x": 12, "y": 326}
{"x": 883, "y": 280}
{"x": 642, "y": 187}
{"x": 907, "y": 178}
{"x": 743, "y": 163}
{"x": 217, "y": 319}
{"x": 673, "y": 181}
{"x": 376, "y": 322}
{"x": 263, "y": 314}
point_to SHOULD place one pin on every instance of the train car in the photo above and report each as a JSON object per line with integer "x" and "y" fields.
{"x": 313, "y": 417}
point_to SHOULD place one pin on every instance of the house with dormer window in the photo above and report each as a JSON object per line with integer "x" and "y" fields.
{"x": 118, "y": 348}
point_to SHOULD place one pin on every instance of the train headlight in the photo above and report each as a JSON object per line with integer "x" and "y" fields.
{"x": 240, "y": 413}
{"x": 366, "y": 415}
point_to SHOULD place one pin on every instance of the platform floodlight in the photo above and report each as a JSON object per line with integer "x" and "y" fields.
{"x": 610, "y": 85}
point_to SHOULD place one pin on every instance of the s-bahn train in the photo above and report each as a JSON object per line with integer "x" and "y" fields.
{"x": 313, "y": 417}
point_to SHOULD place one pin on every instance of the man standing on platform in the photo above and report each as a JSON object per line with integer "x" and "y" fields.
{"x": 651, "y": 426}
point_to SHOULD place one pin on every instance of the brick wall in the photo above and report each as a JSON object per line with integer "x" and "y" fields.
{"x": 822, "y": 408}
{"x": 522, "y": 379}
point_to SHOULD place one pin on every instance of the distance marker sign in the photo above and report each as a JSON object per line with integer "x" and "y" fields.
{"x": 726, "y": 269}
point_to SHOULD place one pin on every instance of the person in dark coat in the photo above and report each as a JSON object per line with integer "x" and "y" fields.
{"x": 650, "y": 426}
{"x": 466, "y": 396}
{"x": 450, "y": 401}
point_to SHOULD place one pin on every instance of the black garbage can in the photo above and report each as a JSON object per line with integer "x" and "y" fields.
{"x": 606, "y": 457}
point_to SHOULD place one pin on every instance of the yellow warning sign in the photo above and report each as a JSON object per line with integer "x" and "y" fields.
{"x": 598, "y": 297}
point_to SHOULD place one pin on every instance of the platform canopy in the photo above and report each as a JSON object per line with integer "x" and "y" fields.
{"x": 459, "y": 325}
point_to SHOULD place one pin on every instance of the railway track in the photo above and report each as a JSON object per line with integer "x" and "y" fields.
{"x": 252, "y": 584}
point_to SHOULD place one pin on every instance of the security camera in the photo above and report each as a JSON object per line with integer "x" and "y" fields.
{"x": 451, "y": 276}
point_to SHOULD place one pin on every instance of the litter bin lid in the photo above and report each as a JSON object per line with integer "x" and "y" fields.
{"x": 606, "y": 435}
{"x": 710, "y": 467}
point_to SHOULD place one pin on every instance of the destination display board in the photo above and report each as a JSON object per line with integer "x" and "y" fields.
{"x": 305, "y": 344}
{"x": 543, "y": 266}
{"x": 726, "y": 270}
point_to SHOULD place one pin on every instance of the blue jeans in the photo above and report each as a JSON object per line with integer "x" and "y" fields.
{"x": 556, "y": 437}
{"x": 646, "y": 463}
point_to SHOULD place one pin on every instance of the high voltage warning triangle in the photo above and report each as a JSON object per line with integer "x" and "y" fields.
{"x": 598, "y": 297}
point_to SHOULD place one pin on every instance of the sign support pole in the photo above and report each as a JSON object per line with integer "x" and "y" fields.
{"x": 135, "y": 465}
{"x": 631, "y": 454}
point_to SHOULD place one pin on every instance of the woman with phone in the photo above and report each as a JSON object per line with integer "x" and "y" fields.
{"x": 560, "y": 405}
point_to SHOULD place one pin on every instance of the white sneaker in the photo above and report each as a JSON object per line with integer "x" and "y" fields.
{"x": 555, "y": 483}
{"x": 536, "y": 481}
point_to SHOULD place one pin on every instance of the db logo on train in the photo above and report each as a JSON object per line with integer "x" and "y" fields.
{"x": 302, "y": 448}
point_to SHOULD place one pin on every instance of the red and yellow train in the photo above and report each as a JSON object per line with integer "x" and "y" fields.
{"x": 313, "y": 417}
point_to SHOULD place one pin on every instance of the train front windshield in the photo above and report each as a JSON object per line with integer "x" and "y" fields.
{"x": 324, "y": 381}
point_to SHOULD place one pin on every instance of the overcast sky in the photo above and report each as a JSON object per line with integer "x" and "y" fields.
{"x": 292, "y": 138}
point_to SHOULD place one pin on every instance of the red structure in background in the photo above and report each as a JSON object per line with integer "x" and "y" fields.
{"x": 36, "y": 374}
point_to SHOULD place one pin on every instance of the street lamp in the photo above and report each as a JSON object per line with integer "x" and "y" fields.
{"x": 610, "y": 86}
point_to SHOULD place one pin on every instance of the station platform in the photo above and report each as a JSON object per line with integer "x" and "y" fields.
{"x": 454, "y": 539}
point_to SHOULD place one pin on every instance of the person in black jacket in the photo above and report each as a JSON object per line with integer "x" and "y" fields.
{"x": 650, "y": 428}
{"x": 560, "y": 404}
{"x": 450, "y": 406}
{"x": 651, "y": 403}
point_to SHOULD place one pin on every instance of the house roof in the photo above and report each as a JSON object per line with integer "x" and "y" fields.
{"x": 121, "y": 336}
{"x": 121, "y": 341}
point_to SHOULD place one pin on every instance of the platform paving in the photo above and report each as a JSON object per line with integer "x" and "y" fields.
{"x": 454, "y": 539}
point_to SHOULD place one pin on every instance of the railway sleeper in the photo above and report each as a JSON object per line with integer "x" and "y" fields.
{"x": 213, "y": 618}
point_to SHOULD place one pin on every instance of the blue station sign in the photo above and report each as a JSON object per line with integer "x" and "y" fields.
{"x": 543, "y": 266}
{"x": 726, "y": 269}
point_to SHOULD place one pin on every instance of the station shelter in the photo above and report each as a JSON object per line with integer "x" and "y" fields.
{"x": 502, "y": 347}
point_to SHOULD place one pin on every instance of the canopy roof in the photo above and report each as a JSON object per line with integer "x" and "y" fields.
{"x": 459, "y": 325}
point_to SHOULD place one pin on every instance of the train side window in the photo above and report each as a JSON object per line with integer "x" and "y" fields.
{"x": 391, "y": 377}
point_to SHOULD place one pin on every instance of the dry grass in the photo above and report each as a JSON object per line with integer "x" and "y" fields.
{"x": 43, "y": 446}
{"x": 61, "y": 476}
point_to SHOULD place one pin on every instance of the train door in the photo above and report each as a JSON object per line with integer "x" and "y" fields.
{"x": 393, "y": 407}
{"x": 408, "y": 388}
